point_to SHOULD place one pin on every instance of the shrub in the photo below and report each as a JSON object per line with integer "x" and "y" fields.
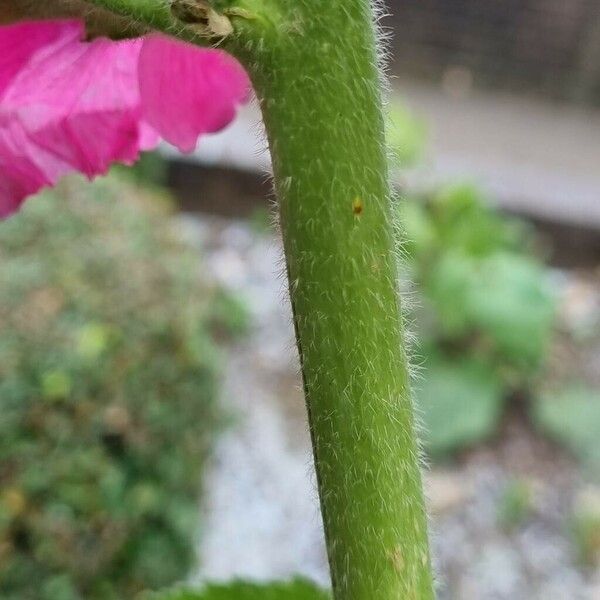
{"x": 485, "y": 310}
{"x": 481, "y": 286}
{"x": 485, "y": 313}
{"x": 107, "y": 387}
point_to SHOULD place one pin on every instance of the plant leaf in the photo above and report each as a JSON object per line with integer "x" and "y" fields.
{"x": 460, "y": 401}
{"x": 571, "y": 416}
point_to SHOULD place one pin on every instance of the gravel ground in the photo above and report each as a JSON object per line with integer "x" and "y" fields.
{"x": 260, "y": 514}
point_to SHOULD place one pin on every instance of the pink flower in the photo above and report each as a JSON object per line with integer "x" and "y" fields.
{"x": 67, "y": 105}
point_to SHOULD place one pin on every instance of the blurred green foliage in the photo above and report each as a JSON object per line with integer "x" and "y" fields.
{"x": 461, "y": 402}
{"x": 571, "y": 415}
{"x": 229, "y": 316}
{"x": 406, "y": 135}
{"x": 151, "y": 170}
{"x": 584, "y": 527}
{"x": 480, "y": 284}
{"x": 240, "y": 590}
{"x": 484, "y": 314}
{"x": 107, "y": 390}
{"x": 515, "y": 504}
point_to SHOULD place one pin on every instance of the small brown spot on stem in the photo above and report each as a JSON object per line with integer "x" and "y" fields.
{"x": 357, "y": 206}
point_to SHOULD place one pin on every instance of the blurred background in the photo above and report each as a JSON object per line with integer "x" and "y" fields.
{"x": 153, "y": 427}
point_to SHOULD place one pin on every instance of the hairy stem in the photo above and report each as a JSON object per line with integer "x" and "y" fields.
{"x": 314, "y": 68}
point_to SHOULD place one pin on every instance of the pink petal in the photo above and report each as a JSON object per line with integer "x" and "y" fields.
{"x": 80, "y": 102}
{"x": 20, "y": 175}
{"x": 71, "y": 106}
{"x": 188, "y": 91}
{"x": 19, "y": 42}
{"x": 68, "y": 105}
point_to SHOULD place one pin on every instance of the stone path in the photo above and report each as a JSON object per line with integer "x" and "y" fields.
{"x": 535, "y": 158}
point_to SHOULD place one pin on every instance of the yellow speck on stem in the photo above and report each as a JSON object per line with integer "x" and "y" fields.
{"x": 357, "y": 206}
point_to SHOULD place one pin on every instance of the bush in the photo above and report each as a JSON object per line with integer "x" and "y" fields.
{"x": 107, "y": 387}
{"x": 485, "y": 315}
{"x": 485, "y": 310}
{"x": 480, "y": 284}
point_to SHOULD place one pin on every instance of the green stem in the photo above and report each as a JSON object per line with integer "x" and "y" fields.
{"x": 315, "y": 73}
{"x": 314, "y": 68}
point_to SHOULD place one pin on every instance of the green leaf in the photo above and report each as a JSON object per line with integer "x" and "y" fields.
{"x": 465, "y": 221}
{"x": 504, "y": 297}
{"x": 460, "y": 402}
{"x": 446, "y": 288}
{"x": 512, "y": 301}
{"x": 571, "y": 416}
{"x": 241, "y": 590}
